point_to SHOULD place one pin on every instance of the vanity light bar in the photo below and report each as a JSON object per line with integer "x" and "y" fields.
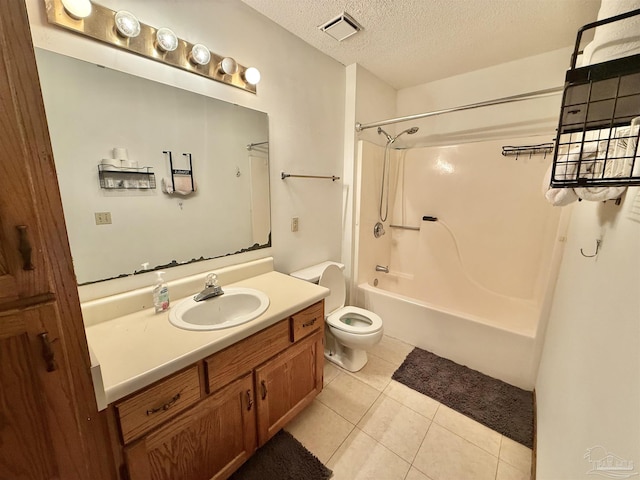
{"x": 100, "y": 25}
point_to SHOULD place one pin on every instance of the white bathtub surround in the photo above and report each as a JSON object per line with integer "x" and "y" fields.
{"x": 139, "y": 347}
{"x": 473, "y": 285}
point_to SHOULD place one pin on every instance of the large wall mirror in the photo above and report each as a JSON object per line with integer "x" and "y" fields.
{"x": 92, "y": 110}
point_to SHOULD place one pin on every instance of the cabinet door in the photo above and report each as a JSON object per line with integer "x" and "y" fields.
{"x": 39, "y": 434}
{"x": 29, "y": 200}
{"x": 211, "y": 440}
{"x": 288, "y": 383}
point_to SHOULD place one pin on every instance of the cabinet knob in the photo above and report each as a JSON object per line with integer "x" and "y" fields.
{"x": 264, "y": 389}
{"x": 47, "y": 352}
{"x": 249, "y": 400}
{"x": 24, "y": 247}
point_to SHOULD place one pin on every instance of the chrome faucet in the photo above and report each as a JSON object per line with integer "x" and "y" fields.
{"x": 211, "y": 288}
{"x": 380, "y": 268}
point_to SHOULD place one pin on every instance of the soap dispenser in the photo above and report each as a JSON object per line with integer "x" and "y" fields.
{"x": 160, "y": 294}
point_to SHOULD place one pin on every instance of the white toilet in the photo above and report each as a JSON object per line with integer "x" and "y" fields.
{"x": 350, "y": 331}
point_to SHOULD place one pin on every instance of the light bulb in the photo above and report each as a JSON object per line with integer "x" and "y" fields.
{"x": 200, "y": 54}
{"x": 252, "y": 75}
{"x": 127, "y": 24}
{"x": 166, "y": 39}
{"x": 228, "y": 66}
{"x": 77, "y": 9}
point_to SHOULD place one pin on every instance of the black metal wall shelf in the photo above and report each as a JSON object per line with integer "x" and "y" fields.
{"x": 597, "y": 137}
{"x": 126, "y": 178}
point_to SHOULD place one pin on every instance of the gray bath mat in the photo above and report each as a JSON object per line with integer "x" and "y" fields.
{"x": 282, "y": 458}
{"x": 495, "y": 404}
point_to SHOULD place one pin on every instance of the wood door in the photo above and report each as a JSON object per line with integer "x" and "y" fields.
{"x": 24, "y": 272}
{"x": 288, "y": 383}
{"x": 67, "y": 436}
{"x": 39, "y": 433}
{"x": 211, "y": 440}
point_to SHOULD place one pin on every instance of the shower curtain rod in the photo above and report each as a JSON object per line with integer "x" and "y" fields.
{"x": 514, "y": 98}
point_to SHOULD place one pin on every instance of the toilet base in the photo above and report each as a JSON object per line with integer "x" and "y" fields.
{"x": 347, "y": 358}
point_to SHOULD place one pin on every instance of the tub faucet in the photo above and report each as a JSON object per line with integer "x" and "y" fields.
{"x": 381, "y": 268}
{"x": 211, "y": 288}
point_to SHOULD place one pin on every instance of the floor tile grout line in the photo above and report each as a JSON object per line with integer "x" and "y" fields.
{"x": 353, "y": 427}
{"x": 415, "y": 391}
{"x": 342, "y": 416}
{"x": 467, "y": 440}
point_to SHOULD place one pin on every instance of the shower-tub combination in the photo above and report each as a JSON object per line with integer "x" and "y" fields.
{"x": 457, "y": 251}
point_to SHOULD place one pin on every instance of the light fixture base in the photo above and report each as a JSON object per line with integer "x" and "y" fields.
{"x": 100, "y": 25}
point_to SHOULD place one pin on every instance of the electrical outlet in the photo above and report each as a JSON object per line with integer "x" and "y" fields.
{"x": 103, "y": 218}
{"x": 294, "y": 224}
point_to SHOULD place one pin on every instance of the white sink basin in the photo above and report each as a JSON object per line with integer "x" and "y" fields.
{"x": 235, "y": 307}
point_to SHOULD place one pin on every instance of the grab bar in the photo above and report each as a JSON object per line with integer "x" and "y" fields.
{"x": 405, "y": 227}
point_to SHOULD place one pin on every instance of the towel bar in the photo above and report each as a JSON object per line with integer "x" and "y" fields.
{"x": 287, "y": 175}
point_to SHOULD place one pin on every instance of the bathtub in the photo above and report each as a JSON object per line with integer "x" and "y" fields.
{"x": 495, "y": 336}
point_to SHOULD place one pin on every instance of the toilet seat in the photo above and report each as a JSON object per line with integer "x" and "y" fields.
{"x": 336, "y": 320}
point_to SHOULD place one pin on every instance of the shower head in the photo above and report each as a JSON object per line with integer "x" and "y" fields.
{"x": 391, "y": 139}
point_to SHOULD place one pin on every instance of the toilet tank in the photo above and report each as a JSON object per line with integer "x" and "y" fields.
{"x": 312, "y": 273}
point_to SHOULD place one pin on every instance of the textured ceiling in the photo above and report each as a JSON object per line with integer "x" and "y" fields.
{"x": 409, "y": 42}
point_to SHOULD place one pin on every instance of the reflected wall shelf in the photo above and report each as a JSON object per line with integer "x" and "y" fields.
{"x": 124, "y": 178}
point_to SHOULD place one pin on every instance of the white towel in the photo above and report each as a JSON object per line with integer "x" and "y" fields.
{"x": 618, "y": 164}
{"x": 558, "y": 197}
{"x": 617, "y": 39}
{"x": 566, "y": 170}
{"x": 182, "y": 184}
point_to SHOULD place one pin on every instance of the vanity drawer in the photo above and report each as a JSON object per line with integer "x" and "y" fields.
{"x": 149, "y": 408}
{"x": 242, "y": 357}
{"x": 307, "y": 321}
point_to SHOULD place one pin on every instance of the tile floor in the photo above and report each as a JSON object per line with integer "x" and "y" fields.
{"x": 366, "y": 426}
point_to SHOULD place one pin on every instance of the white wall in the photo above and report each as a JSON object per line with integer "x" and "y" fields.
{"x": 368, "y": 99}
{"x": 530, "y": 117}
{"x": 302, "y": 90}
{"x": 588, "y": 386}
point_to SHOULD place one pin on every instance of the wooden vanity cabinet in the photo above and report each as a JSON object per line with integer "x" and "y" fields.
{"x": 249, "y": 391}
{"x": 49, "y": 424}
{"x": 211, "y": 440}
{"x": 288, "y": 383}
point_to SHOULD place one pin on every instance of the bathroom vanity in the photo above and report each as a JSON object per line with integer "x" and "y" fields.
{"x": 196, "y": 405}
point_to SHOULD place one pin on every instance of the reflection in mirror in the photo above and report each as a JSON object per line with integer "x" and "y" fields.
{"x": 92, "y": 110}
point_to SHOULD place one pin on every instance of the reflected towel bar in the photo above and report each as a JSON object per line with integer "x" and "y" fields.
{"x": 251, "y": 145}
{"x": 287, "y": 175}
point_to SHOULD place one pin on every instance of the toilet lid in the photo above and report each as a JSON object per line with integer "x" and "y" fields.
{"x": 355, "y": 320}
{"x": 332, "y": 279}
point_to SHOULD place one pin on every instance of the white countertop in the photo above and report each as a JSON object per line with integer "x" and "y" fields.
{"x": 140, "y": 348}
